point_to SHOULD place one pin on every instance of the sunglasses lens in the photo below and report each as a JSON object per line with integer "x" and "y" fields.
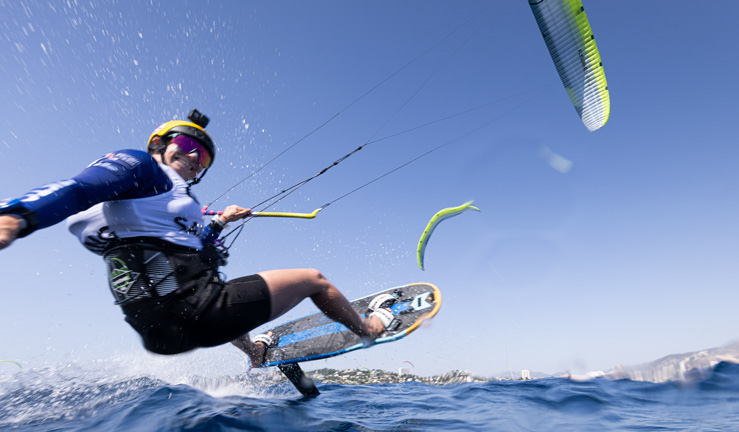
{"x": 189, "y": 145}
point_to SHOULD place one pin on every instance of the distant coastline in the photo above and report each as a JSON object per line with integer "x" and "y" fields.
{"x": 674, "y": 367}
{"x": 677, "y": 367}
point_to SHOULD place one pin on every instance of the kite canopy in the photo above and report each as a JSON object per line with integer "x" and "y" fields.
{"x": 570, "y": 41}
{"x": 436, "y": 220}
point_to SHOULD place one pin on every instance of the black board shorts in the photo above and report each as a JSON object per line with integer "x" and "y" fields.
{"x": 204, "y": 311}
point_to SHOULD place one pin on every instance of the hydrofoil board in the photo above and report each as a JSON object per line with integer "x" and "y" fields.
{"x": 316, "y": 337}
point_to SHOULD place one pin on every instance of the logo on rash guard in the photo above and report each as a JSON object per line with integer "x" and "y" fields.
{"x": 107, "y": 166}
{"x": 195, "y": 228}
{"x": 46, "y": 190}
{"x": 105, "y": 161}
{"x": 126, "y": 159}
{"x": 98, "y": 243}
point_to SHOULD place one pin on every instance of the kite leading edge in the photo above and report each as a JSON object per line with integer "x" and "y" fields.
{"x": 570, "y": 41}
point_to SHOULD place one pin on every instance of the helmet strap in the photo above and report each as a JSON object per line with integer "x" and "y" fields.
{"x": 160, "y": 148}
{"x": 197, "y": 179}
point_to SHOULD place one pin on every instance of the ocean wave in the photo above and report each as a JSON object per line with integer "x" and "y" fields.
{"x": 110, "y": 396}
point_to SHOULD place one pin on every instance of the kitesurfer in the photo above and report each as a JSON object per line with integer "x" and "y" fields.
{"x": 136, "y": 209}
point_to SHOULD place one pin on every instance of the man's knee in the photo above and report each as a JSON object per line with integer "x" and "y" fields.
{"x": 315, "y": 277}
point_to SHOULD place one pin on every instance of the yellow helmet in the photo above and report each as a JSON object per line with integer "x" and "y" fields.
{"x": 193, "y": 128}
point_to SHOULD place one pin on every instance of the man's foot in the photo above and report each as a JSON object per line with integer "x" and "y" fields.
{"x": 259, "y": 348}
{"x": 376, "y": 323}
{"x": 256, "y": 355}
{"x": 254, "y": 350}
{"x": 374, "y": 326}
{"x": 379, "y": 317}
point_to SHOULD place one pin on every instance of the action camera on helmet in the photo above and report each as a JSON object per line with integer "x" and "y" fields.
{"x": 198, "y": 118}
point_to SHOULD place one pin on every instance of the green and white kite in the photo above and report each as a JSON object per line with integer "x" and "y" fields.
{"x": 436, "y": 220}
{"x": 571, "y": 44}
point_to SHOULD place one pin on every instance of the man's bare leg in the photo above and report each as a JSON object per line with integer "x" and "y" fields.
{"x": 289, "y": 287}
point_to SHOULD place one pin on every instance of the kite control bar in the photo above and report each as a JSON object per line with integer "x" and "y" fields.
{"x": 312, "y": 215}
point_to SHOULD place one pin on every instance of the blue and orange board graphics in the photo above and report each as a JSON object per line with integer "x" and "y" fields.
{"x": 317, "y": 337}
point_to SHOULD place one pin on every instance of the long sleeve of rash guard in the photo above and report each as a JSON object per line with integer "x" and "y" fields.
{"x": 124, "y": 174}
{"x": 210, "y": 235}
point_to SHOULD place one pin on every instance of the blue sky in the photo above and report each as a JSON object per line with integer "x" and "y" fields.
{"x": 627, "y": 257}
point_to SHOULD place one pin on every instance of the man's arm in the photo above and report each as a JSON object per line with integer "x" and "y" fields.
{"x": 10, "y": 226}
{"x": 218, "y": 223}
{"x": 124, "y": 174}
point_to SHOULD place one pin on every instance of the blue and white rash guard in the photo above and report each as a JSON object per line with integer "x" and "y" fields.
{"x": 122, "y": 195}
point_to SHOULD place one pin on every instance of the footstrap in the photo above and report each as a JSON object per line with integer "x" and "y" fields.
{"x": 267, "y": 340}
{"x": 385, "y": 316}
{"x": 381, "y": 302}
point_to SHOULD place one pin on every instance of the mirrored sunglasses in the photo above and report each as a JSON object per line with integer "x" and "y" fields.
{"x": 191, "y": 145}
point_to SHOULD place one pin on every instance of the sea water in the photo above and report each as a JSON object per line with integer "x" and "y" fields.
{"x": 88, "y": 397}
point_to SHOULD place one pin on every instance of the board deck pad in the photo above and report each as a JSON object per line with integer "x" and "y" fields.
{"x": 317, "y": 337}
